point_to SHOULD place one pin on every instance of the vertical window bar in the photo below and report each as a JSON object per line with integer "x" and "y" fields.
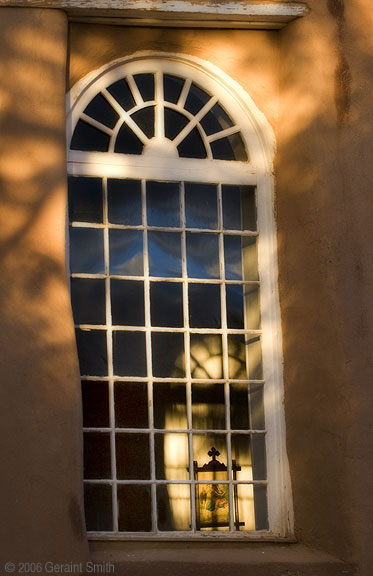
{"x": 134, "y": 89}
{"x": 159, "y": 108}
{"x": 184, "y": 93}
{"x": 109, "y": 341}
{"x": 149, "y": 360}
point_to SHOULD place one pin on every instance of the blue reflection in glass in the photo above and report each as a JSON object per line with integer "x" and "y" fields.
{"x": 164, "y": 254}
{"x": 126, "y": 252}
{"x": 233, "y": 257}
{"x": 124, "y": 201}
{"x": 203, "y": 255}
{"x": 87, "y": 251}
{"x": 201, "y": 205}
{"x": 162, "y": 203}
{"x": 235, "y": 308}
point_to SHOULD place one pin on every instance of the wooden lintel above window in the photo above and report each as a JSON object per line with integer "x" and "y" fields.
{"x": 249, "y": 14}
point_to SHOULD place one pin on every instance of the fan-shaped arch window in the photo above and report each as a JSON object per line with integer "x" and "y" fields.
{"x": 165, "y": 229}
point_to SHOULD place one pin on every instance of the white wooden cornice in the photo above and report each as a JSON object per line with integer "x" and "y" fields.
{"x": 249, "y": 14}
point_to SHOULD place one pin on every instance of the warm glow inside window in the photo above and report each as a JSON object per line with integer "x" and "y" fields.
{"x": 166, "y": 297}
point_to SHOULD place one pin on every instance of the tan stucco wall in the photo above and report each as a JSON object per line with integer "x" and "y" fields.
{"x": 41, "y": 500}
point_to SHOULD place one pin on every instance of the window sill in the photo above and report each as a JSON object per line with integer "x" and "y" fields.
{"x": 216, "y": 559}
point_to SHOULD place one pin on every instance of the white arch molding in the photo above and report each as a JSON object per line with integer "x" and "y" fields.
{"x": 260, "y": 142}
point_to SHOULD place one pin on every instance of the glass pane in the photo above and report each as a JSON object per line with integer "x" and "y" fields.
{"x": 134, "y": 508}
{"x": 192, "y": 146}
{"x": 171, "y": 456}
{"x": 169, "y": 403}
{"x": 239, "y": 406}
{"x": 124, "y": 202}
{"x": 88, "y": 300}
{"x": 261, "y": 507}
{"x": 95, "y": 399}
{"x": 173, "y": 507}
{"x": 86, "y": 251}
{"x": 240, "y": 348}
{"x": 132, "y": 455}
{"x": 168, "y": 355}
{"x": 203, "y": 255}
{"x": 122, "y": 94}
{"x": 97, "y": 461}
{"x": 129, "y": 353}
{"x": 208, "y": 406}
{"x": 172, "y": 86}
{"x": 144, "y": 118}
{"x": 92, "y": 353}
{"x": 98, "y": 507}
{"x": 131, "y": 404}
{"x": 196, "y": 99}
{"x": 239, "y": 207}
{"x": 127, "y": 302}
{"x": 145, "y": 83}
{"x": 89, "y": 138}
{"x": 259, "y": 457}
{"x": 252, "y": 308}
{"x": 163, "y": 203}
{"x": 238, "y": 250}
{"x": 202, "y": 445}
{"x": 206, "y": 357}
{"x": 166, "y": 304}
{"x": 244, "y": 512}
{"x": 241, "y": 454}
{"x": 201, "y": 206}
{"x": 256, "y": 403}
{"x": 164, "y": 254}
{"x": 174, "y": 123}
{"x": 235, "y": 307}
{"x": 127, "y": 142}
{"x": 126, "y": 252}
{"x": 229, "y": 148}
{"x": 204, "y": 306}
{"x": 85, "y": 199}
{"x": 216, "y": 120}
{"x": 100, "y": 109}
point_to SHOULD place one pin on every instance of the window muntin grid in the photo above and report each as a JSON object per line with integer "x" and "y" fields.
{"x": 222, "y": 379}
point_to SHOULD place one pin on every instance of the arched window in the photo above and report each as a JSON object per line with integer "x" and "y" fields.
{"x": 176, "y": 322}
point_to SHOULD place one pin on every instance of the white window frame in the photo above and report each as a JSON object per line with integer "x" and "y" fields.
{"x": 260, "y": 142}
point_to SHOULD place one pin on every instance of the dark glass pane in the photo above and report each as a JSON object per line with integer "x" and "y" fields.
{"x": 241, "y": 349}
{"x": 169, "y": 402}
{"x": 235, "y": 307}
{"x": 164, "y": 254}
{"x": 92, "y": 352}
{"x": 163, "y": 203}
{"x": 124, "y": 202}
{"x": 202, "y": 444}
{"x": 88, "y": 300}
{"x": 203, "y": 255}
{"x": 131, "y": 404}
{"x": 85, "y": 199}
{"x": 127, "y": 142}
{"x": 204, "y": 306}
{"x": 129, "y": 353}
{"x": 174, "y": 123}
{"x": 172, "y": 86}
{"x": 134, "y": 508}
{"x": 239, "y": 406}
{"x": 192, "y": 146}
{"x": 196, "y": 99}
{"x": 98, "y": 507}
{"x": 201, "y": 206}
{"x": 126, "y": 252}
{"x": 122, "y": 94}
{"x": 206, "y": 356}
{"x": 127, "y": 302}
{"x": 97, "y": 461}
{"x": 100, "y": 109}
{"x": 173, "y": 507}
{"x": 144, "y": 118}
{"x": 168, "y": 355}
{"x": 145, "y": 84}
{"x": 86, "y": 251}
{"x": 95, "y": 398}
{"x": 216, "y": 120}
{"x": 133, "y": 459}
{"x": 88, "y": 138}
{"x": 166, "y": 304}
{"x": 252, "y": 308}
{"x": 261, "y": 507}
{"x": 234, "y": 248}
{"x": 256, "y": 405}
{"x": 229, "y": 148}
{"x": 259, "y": 456}
{"x": 239, "y": 208}
{"x": 208, "y": 406}
{"x": 171, "y": 456}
